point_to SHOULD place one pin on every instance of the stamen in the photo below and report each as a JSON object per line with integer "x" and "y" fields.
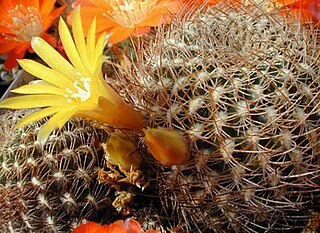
{"x": 81, "y": 90}
{"x": 128, "y": 13}
{"x": 26, "y": 23}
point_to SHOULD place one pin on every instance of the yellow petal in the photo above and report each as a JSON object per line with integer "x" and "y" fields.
{"x": 56, "y": 121}
{"x": 39, "y": 89}
{"x": 65, "y": 116}
{"x": 123, "y": 153}
{"x": 107, "y": 91}
{"x": 101, "y": 42}
{"x": 98, "y": 71}
{"x": 78, "y": 35}
{"x": 33, "y": 101}
{"x": 38, "y": 115}
{"x": 167, "y": 146}
{"x": 54, "y": 59}
{"x": 70, "y": 48}
{"x": 45, "y": 73}
{"x": 91, "y": 43}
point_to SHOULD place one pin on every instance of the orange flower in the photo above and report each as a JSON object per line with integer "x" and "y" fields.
{"x": 305, "y": 10}
{"x": 124, "y": 18}
{"x": 20, "y": 20}
{"x": 120, "y": 226}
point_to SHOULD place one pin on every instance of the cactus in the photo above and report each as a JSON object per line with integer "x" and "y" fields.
{"x": 243, "y": 85}
{"x": 73, "y": 177}
{"x": 54, "y": 188}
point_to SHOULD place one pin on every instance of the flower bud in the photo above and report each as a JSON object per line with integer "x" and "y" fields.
{"x": 122, "y": 152}
{"x": 168, "y": 147}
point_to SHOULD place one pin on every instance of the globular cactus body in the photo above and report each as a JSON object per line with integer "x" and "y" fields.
{"x": 54, "y": 187}
{"x": 243, "y": 86}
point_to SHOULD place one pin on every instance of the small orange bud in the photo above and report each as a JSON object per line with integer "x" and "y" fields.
{"x": 167, "y": 146}
{"x": 123, "y": 153}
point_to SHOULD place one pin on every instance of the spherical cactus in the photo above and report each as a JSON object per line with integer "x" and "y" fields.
{"x": 51, "y": 188}
{"x": 243, "y": 85}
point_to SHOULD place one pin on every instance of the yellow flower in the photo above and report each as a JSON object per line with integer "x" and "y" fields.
{"x": 72, "y": 89}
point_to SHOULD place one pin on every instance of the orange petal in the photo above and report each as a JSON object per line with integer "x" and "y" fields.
{"x": 11, "y": 60}
{"x": 87, "y": 15}
{"x": 119, "y": 34}
{"x": 141, "y": 31}
{"x": 50, "y": 39}
{"x": 7, "y": 45}
{"x": 90, "y": 227}
{"x": 46, "y": 6}
{"x": 85, "y": 3}
{"x": 48, "y": 19}
{"x": 130, "y": 225}
{"x": 314, "y": 8}
{"x": 114, "y": 228}
{"x": 5, "y": 6}
{"x": 286, "y": 2}
{"x": 163, "y": 13}
{"x": 155, "y": 19}
{"x": 34, "y": 3}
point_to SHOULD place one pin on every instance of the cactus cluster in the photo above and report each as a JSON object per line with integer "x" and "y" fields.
{"x": 51, "y": 188}
{"x": 243, "y": 86}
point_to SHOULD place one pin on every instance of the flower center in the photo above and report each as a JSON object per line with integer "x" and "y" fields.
{"x": 81, "y": 90}
{"x": 128, "y": 13}
{"x": 26, "y": 23}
